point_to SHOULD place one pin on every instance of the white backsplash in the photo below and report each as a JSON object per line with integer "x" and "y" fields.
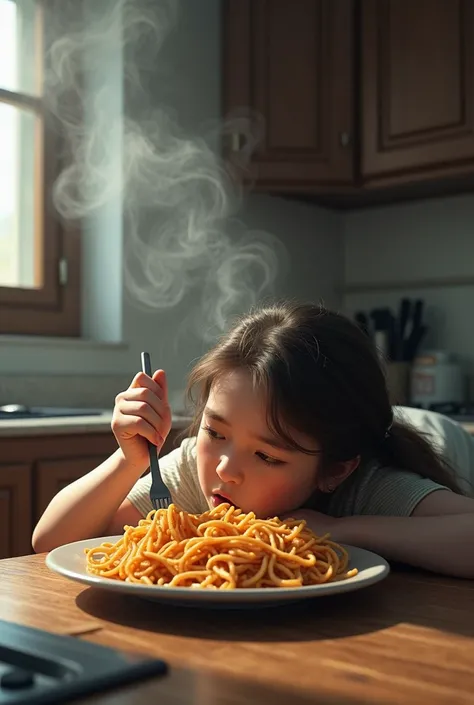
{"x": 62, "y": 390}
{"x": 78, "y": 391}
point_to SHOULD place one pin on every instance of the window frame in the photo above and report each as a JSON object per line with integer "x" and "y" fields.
{"x": 53, "y": 308}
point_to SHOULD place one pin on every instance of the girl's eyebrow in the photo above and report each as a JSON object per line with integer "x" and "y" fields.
{"x": 268, "y": 440}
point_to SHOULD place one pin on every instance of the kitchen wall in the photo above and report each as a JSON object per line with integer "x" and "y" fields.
{"x": 411, "y": 243}
{"x": 396, "y": 243}
{"x": 92, "y": 372}
{"x": 311, "y": 236}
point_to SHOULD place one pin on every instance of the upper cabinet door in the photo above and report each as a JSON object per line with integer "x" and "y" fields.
{"x": 291, "y": 62}
{"x": 418, "y": 86}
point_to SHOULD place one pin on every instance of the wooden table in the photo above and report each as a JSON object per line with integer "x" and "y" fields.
{"x": 409, "y": 639}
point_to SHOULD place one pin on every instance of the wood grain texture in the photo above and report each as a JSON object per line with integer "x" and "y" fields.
{"x": 409, "y": 639}
{"x": 15, "y": 510}
{"x": 32, "y": 470}
{"x": 292, "y": 64}
{"x": 417, "y": 98}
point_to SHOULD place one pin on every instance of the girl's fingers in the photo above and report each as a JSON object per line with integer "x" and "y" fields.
{"x": 157, "y": 384}
{"x": 142, "y": 409}
{"x": 146, "y": 398}
{"x": 126, "y": 427}
{"x": 160, "y": 378}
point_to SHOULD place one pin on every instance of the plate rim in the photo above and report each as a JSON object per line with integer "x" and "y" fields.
{"x": 193, "y": 595}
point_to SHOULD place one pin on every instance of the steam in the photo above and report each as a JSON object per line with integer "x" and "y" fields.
{"x": 183, "y": 237}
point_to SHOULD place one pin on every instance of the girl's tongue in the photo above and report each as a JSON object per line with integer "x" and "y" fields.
{"x": 217, "y": 499}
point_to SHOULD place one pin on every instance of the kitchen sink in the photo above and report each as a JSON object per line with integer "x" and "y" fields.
{"x": 19, "y": 411}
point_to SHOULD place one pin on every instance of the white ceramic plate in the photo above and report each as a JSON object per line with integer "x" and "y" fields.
{"x": 70, "y": 561}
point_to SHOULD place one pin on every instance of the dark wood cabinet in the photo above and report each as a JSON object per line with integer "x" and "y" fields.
{"x": 417, "y": 87}
{"x": 32, "y": 470}
{"x": 292, "y": 64}
{"x": 15, "y": 509}
{"x": 52, "y": 475}
{"x": 355, "y": 95}
{"x": 35, "y": 468}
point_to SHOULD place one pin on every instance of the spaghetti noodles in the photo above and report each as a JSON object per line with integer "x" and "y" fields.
{"x": 223, "y": 548}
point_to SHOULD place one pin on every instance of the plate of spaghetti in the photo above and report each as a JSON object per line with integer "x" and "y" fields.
{"x": 221, "y": 557}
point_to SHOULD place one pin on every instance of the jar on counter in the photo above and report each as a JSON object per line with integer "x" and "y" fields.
{"x": 436, "y": 378}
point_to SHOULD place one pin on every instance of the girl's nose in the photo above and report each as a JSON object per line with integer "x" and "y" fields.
{"x": 229, "y": 470}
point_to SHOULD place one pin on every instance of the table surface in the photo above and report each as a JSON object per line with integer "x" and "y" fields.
{"x": 408, "y": 639}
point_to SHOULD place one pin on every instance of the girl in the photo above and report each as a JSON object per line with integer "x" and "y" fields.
{"x": 292, "y": 418}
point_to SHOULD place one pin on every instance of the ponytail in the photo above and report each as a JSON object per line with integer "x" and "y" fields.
{"x": 404, "y": 447}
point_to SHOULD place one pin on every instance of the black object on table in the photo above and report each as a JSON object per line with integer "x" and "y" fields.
{"x": 39, "y": 668}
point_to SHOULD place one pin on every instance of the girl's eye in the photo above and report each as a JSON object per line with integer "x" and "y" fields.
{"x": 213, "y": 434}
{"x": 263, "y": 456}
{"x": 268, "y": 459}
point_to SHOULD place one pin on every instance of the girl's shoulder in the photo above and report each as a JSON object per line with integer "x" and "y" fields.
{"x": 447, "y": 436}
{"x": 378, "y": 490}
{"x": 181, "y": 459}
{"x": 444, "y": 433}
{"x": 179, "y": 472}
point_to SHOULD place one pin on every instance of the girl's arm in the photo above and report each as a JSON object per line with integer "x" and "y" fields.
{"x": 95, "y": 505}
{"x": 89, "y": 506}
{"x": 443, "y": 544}
{"x": 439, "y": 536}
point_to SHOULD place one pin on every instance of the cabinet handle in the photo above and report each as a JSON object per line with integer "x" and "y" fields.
{"x": 344, "y": 139}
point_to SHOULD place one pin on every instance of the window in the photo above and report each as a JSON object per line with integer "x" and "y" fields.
{"x": 39, "y": 257}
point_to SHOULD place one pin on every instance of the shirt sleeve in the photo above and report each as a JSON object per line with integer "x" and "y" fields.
{"x": 392, "y": 492}
{"x": 447, "y": 437}
{"x": 179, "y": 472}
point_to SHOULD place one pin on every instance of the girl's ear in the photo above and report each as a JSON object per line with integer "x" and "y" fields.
{"x": 337, "y": 473}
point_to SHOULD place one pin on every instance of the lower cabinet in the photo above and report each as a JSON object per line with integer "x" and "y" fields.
{"x": 35, "y": 468}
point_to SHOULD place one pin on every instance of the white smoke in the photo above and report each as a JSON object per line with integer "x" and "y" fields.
{"x": 180, "y": 205}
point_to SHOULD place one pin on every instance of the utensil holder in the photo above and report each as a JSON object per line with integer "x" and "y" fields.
{"x": 398, "y": 382}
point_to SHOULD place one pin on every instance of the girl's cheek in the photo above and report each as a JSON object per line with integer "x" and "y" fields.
{"x": 204, "y": 451}
{"x": 203, "y": 446}
{"x": 276, "y": 496}
{"x": 288, "y": 496}
{"x": 206, "y": 463}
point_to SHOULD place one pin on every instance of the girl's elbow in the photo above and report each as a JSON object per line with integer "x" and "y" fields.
{"x": 42, "y": 542}
{"x": 38, "y": 543}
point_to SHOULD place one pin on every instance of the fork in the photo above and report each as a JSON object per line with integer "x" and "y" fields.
{"x": 159, "y": 493}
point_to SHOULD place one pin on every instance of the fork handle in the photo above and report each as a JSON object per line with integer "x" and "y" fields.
{"x": 154, "y": 466}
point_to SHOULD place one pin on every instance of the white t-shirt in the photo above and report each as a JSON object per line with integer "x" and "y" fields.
{"x": 448, "y": 437}
{"x": 179, "y": 472}
{"x": 372, "y": 489}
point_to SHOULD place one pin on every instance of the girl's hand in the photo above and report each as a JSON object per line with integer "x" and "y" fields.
{"x": 317, "y": 522}
{"x": 142, "y": 413}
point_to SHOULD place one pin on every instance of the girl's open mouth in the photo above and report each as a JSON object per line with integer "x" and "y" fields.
{"x": 217, "y": 499}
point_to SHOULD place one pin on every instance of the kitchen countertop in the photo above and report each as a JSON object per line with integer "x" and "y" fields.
{"x": 93, "y": 424}
{"x": 70, "y": 424}
{"x": 408, "y": 640}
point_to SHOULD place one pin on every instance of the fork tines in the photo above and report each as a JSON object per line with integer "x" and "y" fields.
{"x": 160, "y": 503}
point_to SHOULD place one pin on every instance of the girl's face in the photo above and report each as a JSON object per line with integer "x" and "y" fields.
{"x": 239, "y": 460}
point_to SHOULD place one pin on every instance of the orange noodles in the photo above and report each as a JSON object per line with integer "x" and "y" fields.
{"x": 220, "y": 549}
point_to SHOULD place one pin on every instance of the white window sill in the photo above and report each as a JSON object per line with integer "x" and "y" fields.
{"x": 36, "y": 341}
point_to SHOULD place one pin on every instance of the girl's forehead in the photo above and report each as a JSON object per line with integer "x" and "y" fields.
{"x": 235, "y": 399}
{"x": 237, "y": 388}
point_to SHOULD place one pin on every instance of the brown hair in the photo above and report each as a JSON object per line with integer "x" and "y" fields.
{"x": 323, "y": 377}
